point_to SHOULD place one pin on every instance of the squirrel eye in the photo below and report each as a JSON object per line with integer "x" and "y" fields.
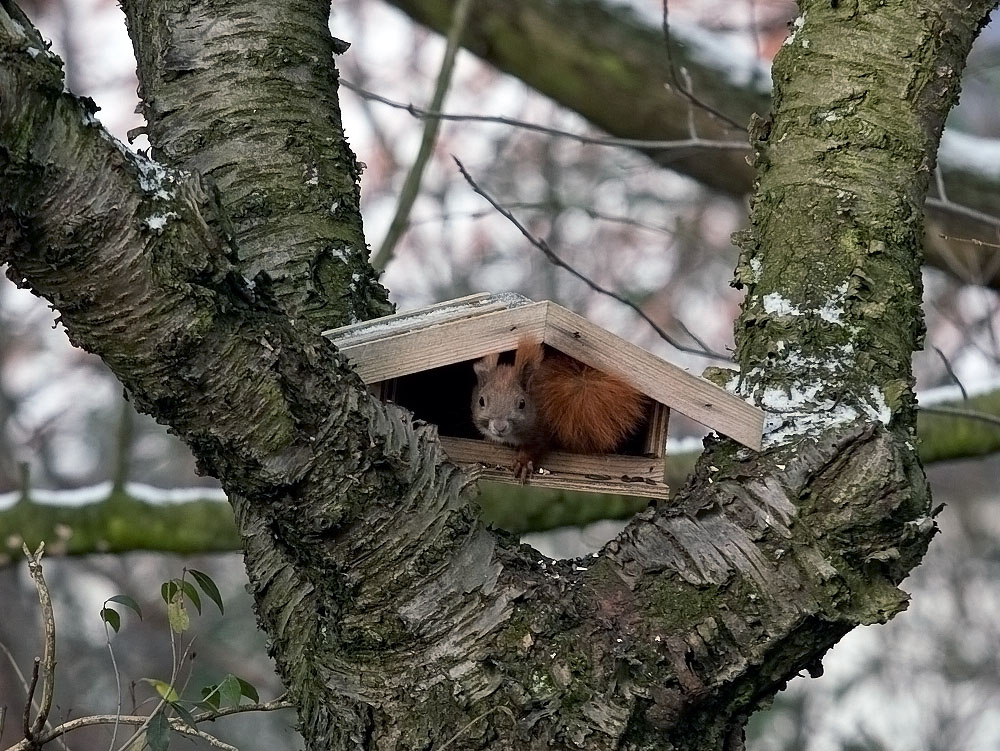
{"x": 482, "y": 402}
{"x": 520, "y": 404}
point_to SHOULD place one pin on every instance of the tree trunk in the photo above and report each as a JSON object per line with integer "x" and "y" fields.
{"x": 396, "y": 618}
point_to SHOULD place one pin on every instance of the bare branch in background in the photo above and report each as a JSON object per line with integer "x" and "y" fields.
{"x": 631, "y": 143}
{"x": 967, "y": 414}
{"x": 123, "y": 447}
{"x": 48, "y": 661}
{"x": 956, "y": 208}
{"x": 951, "y": 373}
{"x": 702, "y": 350}
{"x": 411, "y": 184}
{"x": 685, "y": 89}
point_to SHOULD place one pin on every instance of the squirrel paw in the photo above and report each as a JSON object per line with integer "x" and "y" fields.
{"x": 523, "y": 467}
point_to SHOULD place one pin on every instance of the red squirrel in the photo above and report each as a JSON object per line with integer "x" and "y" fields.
{"x": 545, "y": 401}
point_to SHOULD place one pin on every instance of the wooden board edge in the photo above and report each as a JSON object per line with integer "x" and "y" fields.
{"x": 644, "y": 489}
{"x": 695, "y": 397}
{"x": 469, "y": 306}
{"x": 605, "y": 468}
{"x": 434, "y": 346}
{"x": 656, "y": 438}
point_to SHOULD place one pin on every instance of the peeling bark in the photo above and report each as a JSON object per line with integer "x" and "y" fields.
{"x": 288, "y": 181}
{"x": 396, "y": 618}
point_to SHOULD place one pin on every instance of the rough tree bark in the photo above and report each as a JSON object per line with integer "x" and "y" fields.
{"x": 396, "y": 618}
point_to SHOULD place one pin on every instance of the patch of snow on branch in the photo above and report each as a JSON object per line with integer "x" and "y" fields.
{"x": 100, "y": 491}
{"x": 831, "y": 311}
{"x": 734, "y": 58}
{"x": 153, "y": 177}
{"x": 159, "y": 221}
{"x": 777, "y": 305}
{"x": 796, "y": 412}
{"x": 797, "y": 25}
{"x": 961, "y": 151}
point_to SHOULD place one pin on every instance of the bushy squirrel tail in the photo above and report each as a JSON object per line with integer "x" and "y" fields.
{"x": 585, "y": 409}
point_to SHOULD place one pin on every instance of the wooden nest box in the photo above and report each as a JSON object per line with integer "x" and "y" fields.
{"x": 422, "y": 360}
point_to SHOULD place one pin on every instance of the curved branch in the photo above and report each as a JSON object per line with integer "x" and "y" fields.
{"x": 208, "y": 116}
{"x": 395, "y": 617}
{"x": 49, "y": 654}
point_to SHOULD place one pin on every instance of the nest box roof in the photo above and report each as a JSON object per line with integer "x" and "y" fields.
{"x": 470, "y": 327}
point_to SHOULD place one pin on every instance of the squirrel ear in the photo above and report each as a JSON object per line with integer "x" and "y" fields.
{"x": 527, "y": 359}
{"x": 485, "y": 366}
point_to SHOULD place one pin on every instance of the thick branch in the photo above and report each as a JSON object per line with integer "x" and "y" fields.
{"x": 396, "y": 619}
{"x": 287, "y": 178}
{"x": 832, "y": 261}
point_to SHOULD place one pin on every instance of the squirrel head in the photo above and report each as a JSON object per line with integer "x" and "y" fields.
{"x": 503, "y": 407}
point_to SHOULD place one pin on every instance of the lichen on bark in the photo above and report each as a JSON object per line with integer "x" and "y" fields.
{"x": 396, "y": 618}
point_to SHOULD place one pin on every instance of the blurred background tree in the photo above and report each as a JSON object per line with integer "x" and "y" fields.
{"x": 663, "y": 216}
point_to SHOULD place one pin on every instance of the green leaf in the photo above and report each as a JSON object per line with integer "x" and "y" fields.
{"x": 229, "y": 691}
{"x": 185, "y": 715}
{"x": 169, "y": 590}
{"x": 112, "y": 618}
{"x": 127, "y": 602}
{"x": 158, "y": 732}
{"x": 248, "y": 690}
{"x": 210, "y": 695}
{"x": 192, "y": 594}
{"x": 177, "y": 615}
{"x": 208, "y": 587}
{"x": 165, "y": 690}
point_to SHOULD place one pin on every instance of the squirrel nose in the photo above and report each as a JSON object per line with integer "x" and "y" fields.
{"x": 499, "y": 427}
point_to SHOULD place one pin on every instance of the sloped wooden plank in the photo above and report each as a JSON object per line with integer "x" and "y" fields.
{"x": 661, "y": 380}
{"x": 441, "y": 344}
{"x": 442, "y": 312}
{"x": 642, "y": 489}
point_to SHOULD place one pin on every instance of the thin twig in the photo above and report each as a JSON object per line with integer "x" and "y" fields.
{"x": 971, "y": 241}
{"x": 49, "y": 624}
{"x": 704, "y": 351}
{"x": 118, "y": 683}
{"x": 957, "y": 208}
{"x": 411, "y": 185}
{"x": 107, "y": 719}
{"x": 171, "y": 686}
{"x": 630, "y": 143}
{"x": 543, "y": 206}
{"x": 968, "y": 414}
{"x": 952, "y": 374}
{"x": 14, "y": 666}
{"x": 143, "y": 720}
{"x": 686, "y": 91}
{"x": 275, "y": 704}
{"x": 26, "y": 720}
